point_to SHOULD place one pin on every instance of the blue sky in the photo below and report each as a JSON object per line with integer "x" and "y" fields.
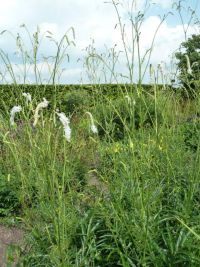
{"x": 169, "y": 6}
{"x": 91, "y": 19}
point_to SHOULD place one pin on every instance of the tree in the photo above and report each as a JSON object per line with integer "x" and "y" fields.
{"x": 189, "y": 65}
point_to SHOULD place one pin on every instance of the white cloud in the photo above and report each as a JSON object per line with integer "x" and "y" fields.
{"x": 92, "y": 19}
{"x": 140, "y": 4}
{"x": 163, "y": 3}
{"x": 68, "y": 75}
{"x": 168, "y": 38}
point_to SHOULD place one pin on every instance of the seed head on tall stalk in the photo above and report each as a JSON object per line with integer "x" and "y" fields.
{"x": 130, "y": 33}
{"x": 185, "y": 12}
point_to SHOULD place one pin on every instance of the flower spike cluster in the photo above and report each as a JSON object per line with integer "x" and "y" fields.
{"x": 62, "y": 117}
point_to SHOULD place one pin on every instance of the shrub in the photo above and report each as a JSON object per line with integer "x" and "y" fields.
{"x": 9, "y": 201}
{"x": 191, "y": 131}
{"x": 74, "y": 102}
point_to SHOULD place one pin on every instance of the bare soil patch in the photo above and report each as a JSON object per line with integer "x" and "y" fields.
{"x": 9, "y": 237}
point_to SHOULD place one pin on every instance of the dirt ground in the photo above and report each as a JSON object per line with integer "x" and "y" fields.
{"x": 9, "y": 237}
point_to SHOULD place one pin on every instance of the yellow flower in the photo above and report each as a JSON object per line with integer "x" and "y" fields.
{"x": 131, "y": 144}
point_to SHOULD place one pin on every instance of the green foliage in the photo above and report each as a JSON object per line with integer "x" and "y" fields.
{"x": 10, "y": 95}
{"x": 122, "y": 115}
{"x": 189, "y": 65}
{"x": 9, "y": 198}
{"x": 191, "y": 133}
{"x": 74, "y": 102}
{"x": 113, "y": 118}
{"x": 112, "y": 199}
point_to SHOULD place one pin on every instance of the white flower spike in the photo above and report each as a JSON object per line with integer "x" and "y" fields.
{"x": 40, "y": 106}
{"x": 27, "y": 96}
{"x": 93, "y": 127}
{"x": 65, "y": 122}
{"x": 13, "y": 111}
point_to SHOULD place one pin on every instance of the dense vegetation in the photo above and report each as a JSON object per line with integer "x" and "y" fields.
{"x": 125, "y": 197}
{"x": 188, "y": 64}
{"x": 101, "y": 174}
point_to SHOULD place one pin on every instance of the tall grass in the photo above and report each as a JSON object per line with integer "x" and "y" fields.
{"x": 125, "y": 195}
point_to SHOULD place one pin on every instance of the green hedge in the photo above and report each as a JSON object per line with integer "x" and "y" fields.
{"x": 11, "y": 94}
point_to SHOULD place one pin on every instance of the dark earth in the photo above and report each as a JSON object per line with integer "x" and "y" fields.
{"x": 9, "y": 237}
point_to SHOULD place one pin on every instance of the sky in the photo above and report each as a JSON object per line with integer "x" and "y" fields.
{"x": 94, "y": 23}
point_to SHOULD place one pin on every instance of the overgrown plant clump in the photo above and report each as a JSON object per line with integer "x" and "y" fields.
{"x": 188, "y": 65}
{"x": 90, "y": 199}
{"x": 101, "y": 175}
